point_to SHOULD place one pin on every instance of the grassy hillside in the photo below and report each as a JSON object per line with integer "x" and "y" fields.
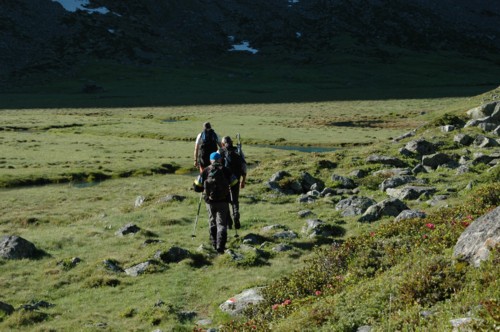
{"x": 352, "y": 72}
{"x": 70, "y": 178}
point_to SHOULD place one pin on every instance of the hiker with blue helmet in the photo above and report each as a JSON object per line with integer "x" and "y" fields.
{"x": 206, "y": 142}
{"x": 235, "y": 161}
{"x": 215, "y": 181}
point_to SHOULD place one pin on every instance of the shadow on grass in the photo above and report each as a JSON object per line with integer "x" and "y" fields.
{"x": 414, "y": 76}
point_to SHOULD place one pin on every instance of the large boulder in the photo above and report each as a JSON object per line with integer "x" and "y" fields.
{"x": 236, "y": 305}
{"x": 15, "y": 247}
{"x": 283, "y": 183}
{"x": 437, "y": 159}
{"x": 343, "y": 181}
{"x": 410, "y": 192}
{"x": 308, "y": 182}
{"x": 354, "y": 205}
{"x": 483, "y": 110}
{"x": 389, "y": 207}
{"x": 482, "y": 235}
{"x": 421, "y": 147}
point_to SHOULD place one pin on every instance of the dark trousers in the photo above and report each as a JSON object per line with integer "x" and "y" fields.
{"x": 217, "y": 219}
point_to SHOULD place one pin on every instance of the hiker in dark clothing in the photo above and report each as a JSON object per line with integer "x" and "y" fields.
{"x": 206, "y": 142}
{"x": 235, "y": 161}
{"x": 215, "y": 181}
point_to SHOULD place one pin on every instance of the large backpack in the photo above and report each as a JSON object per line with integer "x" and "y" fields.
{"x": 208, "y": 145}
{"x": 233, "y": 161}
{"x": 216, "y": 184}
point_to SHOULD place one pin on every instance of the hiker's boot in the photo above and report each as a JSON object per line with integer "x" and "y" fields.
{"x": 237, "y": 224}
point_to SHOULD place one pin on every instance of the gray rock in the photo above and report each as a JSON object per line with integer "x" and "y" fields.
{"x": 307, "y": 181}
{"x": 236, "y": 305}
{"x": 482, "y": 235}
{"x": 364, "y": 328}
{"x": 282, "y": 247}
{"x": 287, "y": 235}
{"x": 482, "y": 141}
{"x": 435, "y": 160}
{"x": 437, "y": 200}
{"x": 393, "y": 172}
{"x": 421, "y": 147}
{"x": 482, "y": 111}
{"x": 172, "y": 198}
{"x": 358, "y": 173}
{"x": 354, "y": 205}
{"x": 15, "y": 247}
{"x": 344, "y": 182}
{"x": 419, "y": 168}
{"x": 405, "y": 135}
{"x": 328, "y": 192}
{"x": 139, "y": 200}
{"x": 410, "y": 214}
{"x": 396, "y": 181}
{"x": 410, "y": 192}
{"x": 389, "y": 207}
{"x": 463, "y": 139}
{"x": 385, "y": 160}
{"x": 306, "y": 198}
{"x": 6, "y": 308}
{"x": 127, "y": 229}
{"x": 173, "y": 255}
{"x": 138, "y": 269}
{"x": 487, "y": 126}
{"x": 273, "y": 227}
{"x": 447, "y": 128}
{"x": 460, "y": 322}
{"x": 112, "y": 265}
{"x": 496, "y": 131}
{"x": 304, "y": 213}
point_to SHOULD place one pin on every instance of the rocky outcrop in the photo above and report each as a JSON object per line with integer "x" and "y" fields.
{"x": 482, "y": 235}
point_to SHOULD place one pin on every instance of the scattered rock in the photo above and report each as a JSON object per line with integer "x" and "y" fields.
{"x": 304, "y": 213}
{"x": 463, "y": 139}
{"x": 437, "y": 159}
{"x": 389, "y": 207}
{"x": 343, "y": 181}
{"x": 112, "y": 265}
{"x": 421, "y": 147}
{"x": 354, "y": 205}
{"x": 128, "y": 229}
{"x": 172, "y": 198}
{"x": 238, "y": 303}
{"x": 173, "y": 255}
{"x": 6, "y": 308}
{"x": 286, "y": 235}
{"x": 396, "y": 181}
{"x": 139, "y": 200}
{"x": 138, "y": 269}
{"x": 15, "y": 247}
{"x": 282, "y": 247}
{"x": 386, "y": 160}
{"x": 410, "y": 192}
{"x": 409, "y": 214}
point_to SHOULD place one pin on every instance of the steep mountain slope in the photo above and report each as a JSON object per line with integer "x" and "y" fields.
{"x": 40, "y": 35}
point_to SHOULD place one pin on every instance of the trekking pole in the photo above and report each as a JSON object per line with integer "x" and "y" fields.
{"x": 197, "y": 215}
{"x": 232, "y": 207}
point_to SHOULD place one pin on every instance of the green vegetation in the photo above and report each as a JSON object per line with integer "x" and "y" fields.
{"x": 70, "y": 177}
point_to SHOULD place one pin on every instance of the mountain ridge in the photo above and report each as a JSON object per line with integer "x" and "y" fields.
{"x": 40, "y": 36}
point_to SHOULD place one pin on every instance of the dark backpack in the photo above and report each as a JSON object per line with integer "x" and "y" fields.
{"x": 216, "y": 184}
{"x": 233, "y": 161}
{"x": 208, "y": 145}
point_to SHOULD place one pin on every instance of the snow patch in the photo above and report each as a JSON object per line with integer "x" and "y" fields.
{"x": 74, "y": 5}
{"x": 243, "y": 46}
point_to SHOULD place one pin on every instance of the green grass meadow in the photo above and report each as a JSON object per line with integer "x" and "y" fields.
{"x": 72, "y": 166}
